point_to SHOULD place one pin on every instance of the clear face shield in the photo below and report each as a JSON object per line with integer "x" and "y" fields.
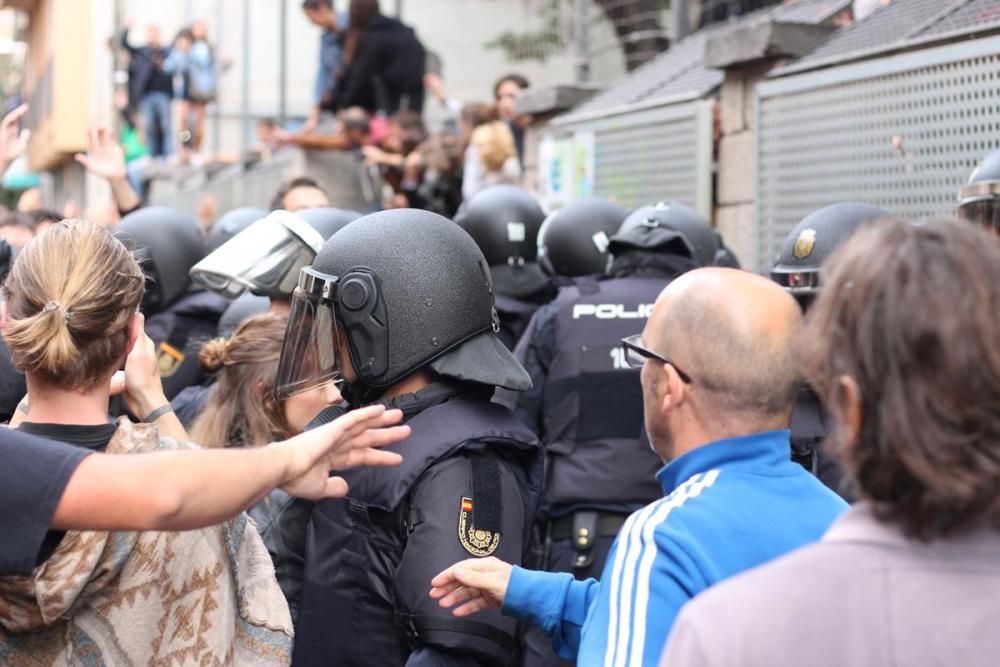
{"x": 309, "y": 354}
{"x": 979, "y": 203}
{"x": 265, "y": 258}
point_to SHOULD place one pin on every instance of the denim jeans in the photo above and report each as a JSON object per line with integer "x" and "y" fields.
{"x": 155, "y": 110}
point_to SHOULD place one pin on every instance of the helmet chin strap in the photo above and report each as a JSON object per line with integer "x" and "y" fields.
{"x": 359, "y": 394}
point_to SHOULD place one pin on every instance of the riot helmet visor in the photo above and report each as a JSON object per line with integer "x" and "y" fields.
{"x": 265, "y": 258}
{"x": 309, "y": 353}
{"x": 984, "y": 212}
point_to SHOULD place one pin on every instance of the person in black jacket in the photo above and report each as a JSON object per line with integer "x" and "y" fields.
{"x": 384, "y": 64}
{"x": 399, "y": 306}
{"x": 151, "y": 89}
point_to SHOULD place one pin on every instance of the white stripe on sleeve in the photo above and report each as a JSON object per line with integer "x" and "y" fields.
{"x": 649, "y": 553}
{"x": 623, "y": 574}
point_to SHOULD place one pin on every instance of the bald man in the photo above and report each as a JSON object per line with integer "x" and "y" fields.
{"x": 718, "y": 385}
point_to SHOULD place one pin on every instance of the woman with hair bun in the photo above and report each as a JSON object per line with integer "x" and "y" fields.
{"x": 206, "y": 596}
{"x": 242, "y": 411}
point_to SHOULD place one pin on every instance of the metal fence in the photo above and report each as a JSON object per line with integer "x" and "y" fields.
{"x": 230, "y": 189}
{"x": 652, "y": 153}
{"x": 340, "y": 173}
{"x": 902, "y": 132}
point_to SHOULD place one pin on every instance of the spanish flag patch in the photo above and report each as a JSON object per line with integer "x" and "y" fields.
{"x": 476, "y": 541}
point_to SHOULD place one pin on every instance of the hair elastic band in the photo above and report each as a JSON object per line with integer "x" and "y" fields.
{"x": 55, "y": 305}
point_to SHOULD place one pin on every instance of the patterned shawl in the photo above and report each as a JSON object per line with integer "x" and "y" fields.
{"x": 200, "y": 597}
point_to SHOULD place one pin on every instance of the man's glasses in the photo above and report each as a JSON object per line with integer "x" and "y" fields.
{"x": 636, "y": 355}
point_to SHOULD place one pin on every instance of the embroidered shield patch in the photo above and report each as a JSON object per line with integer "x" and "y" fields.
{"x": 169, "y": 359}
{"x": 478, "y": 542}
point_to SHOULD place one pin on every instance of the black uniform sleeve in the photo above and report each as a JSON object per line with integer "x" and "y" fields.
{"x": 535, "y": 351}
{"x": 33, "y": 477}
{"x": 448, "y": 508}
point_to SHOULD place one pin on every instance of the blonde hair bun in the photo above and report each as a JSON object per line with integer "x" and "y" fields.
{"x": 214, "y": 355}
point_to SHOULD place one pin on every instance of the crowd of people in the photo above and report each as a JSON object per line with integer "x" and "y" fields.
{"x": 186, "y": 70}
{"x": 464, "y": 430}
{"x": 374, "y": 76}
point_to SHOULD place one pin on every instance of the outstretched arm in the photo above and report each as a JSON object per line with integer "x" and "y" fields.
{"x": 106, "y": 158}
{"x": 187, "y": 489}
{"x": 554, "y": 601}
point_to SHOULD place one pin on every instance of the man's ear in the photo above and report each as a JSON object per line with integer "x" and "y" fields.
{"x": 674, "y": 391}
{"x": 3, "y": 316}
{"x": 136, "y": 329}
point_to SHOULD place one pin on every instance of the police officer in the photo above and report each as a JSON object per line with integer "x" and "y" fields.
{"x": 573, "y": 241}
{"x": 797, "y": 269}
{"x": 179, "y": 316}
{"x": 979, "y": 199}
{"x": 257, "y": 268}
{"x": 586, "y": 402}
{"x": 504, "y": 221}
{"x": 400, "y": 306}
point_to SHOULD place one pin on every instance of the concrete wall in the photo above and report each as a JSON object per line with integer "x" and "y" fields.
{"x": 736, "y": 177}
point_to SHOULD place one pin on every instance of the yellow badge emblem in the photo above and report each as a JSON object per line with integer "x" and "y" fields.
{"x": 804, "y": 244}
{"x": 169, "y": 359}
{"x": 479, "y": 543}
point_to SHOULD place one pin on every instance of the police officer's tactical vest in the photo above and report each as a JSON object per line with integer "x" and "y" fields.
{"x": 179, "y": 332}
{"x": 598, "y": 454}
{"x": 351, "y": 611}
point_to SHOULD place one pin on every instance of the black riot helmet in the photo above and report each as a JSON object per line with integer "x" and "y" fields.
{"x": 573, "y": 241}
{"x": 504, "y": 221}
{"x": 167, "y": 244}
{"x": 813, "y": 240}
{"x": 670, "y": 228}
{"x": 979, "y": 199}
{"x": 230, "y": 224}
{"x": 724, "y": 256}
{"x": 328, "y": 221}
{"x": 404, "y": 290}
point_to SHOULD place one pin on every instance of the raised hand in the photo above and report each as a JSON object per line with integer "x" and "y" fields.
{"x": 105, "y": 156}
{"x": 349, "y": 441}
{"x": 12, "y": 141}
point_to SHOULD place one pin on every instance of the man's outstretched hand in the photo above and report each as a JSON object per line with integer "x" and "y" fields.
{"x": 105, "y": 156}
{"x": 347, "y": 442}
{"x": 473, "y": 584}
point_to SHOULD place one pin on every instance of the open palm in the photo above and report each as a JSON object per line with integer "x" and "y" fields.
{"x": 104, "y": 157}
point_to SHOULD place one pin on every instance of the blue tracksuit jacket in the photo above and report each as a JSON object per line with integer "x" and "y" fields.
{"x": 729, "y": 506}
